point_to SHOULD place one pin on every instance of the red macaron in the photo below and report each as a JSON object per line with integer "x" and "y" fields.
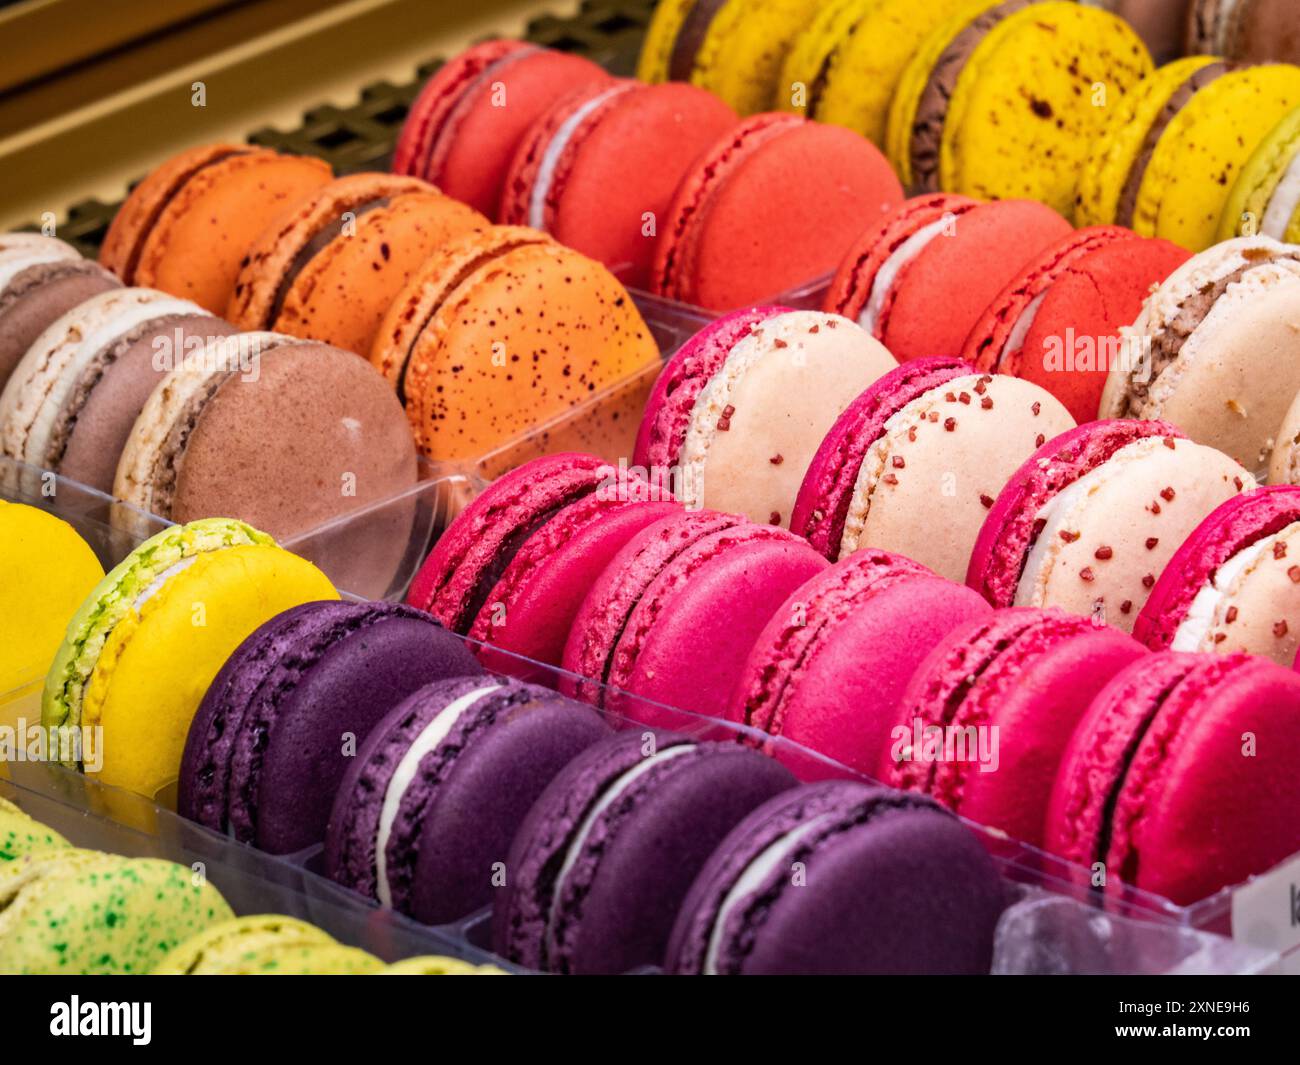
{"x": 1057, "y": 323}
{"x": 985, "y": 719}
{"x": 1180, "y": 779}
{"x": 773, "y": 204}
{"x": 598, "y": 170}
{"x": 920, "y": 280}
{"x": 464, "y": 127}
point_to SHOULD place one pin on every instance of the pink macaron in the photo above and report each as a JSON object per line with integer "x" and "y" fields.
{"x": 1093, "y": 516}
{"x": 830, "y": 666}
{"x": 463, "y": 129}
{"x": 914, "y": 463}
{"x": 1180, "y": 779}
{"x": 1234, "y": 584}
{"x": 739, "y": 411}
{"x": 986, "y": 717}
{"x": 674, "y": 614}
{"x": 513, "y": 568}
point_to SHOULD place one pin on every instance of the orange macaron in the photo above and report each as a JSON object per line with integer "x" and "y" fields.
{"x": 501, "y": 331}
{"x": 329, "y": 266}
{"x": 185, "y": 228}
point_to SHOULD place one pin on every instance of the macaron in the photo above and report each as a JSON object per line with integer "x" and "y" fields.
{"x": 79, "y": 912}
{"x": 1092, "y": 517}
{"x": 145, "y": 645}
{"x": 773, "y": 204}
{"x": 72, "y": 400}
{"x": 740, "y": 409}
{"x": 329, "y": 266}
{"x": 1245, "y": 30}
{"x": 985, "y": 719}
{"x": 852, "y": 56}
{"x": 672, "y": 617}
{"x": 186, "y": 227}
{"x": 914, "y": 463}
{"x": 598, "y": 170}
{"x": 733, "y": 48}
{"x": 1212, "y": 351}
{"x": 1284, "y": 466}
{"x": 842, "y": 878}
{"x": 463, "y": 128}
{"x": 21, "y": 834}
{"x": 256, "y": 409}
{"x": 426, "y": 811}
{"x": 501, "y": 331}
{"x": 1144, "y": 786}
{"x": 41, "y": 279}
{"x": 1058, "y": 323}
{"x": 278, "y": 726}
{"x": 1232, "y": 585}
{"x": 513, "y": 568}
{"x": 1265, "y": 198}
{"x": 46, "y": 570}
{"x": 828, "y": 668}
{"x": 609, "y": 851}
{"x": 221, "y": 949}
{"x": 1185, "y": 189}
{"x": 938, "y": 246}
{"x": 1011, "y": 108}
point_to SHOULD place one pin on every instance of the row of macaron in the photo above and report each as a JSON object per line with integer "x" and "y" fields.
{"x": 71, "y": 911}
{"x": 1005, "y": 98}
{"x": 293, "y": 719}
{"x": 852, "y": 56}
{"x": 677, "y": 612}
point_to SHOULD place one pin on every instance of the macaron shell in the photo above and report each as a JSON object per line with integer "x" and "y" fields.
{"x": 844, "y": 694}
{"x": 343, "y": 293}
{"x": 686, "y": 642}
{"x": 216, "y": 948}
{"x": 660, "y": 39}
{"x": 1284, "y": 466}
{"x": 1185, "y": 482}
{"x": 1128, "y": 125}
{"x": 315, "y": 959}
{"x": 277, "y": 251}
{"x": 755, "y": 428}
{"x": 768, "y": 209}
{"x": 195, "y": 246}
{"x": 1246, "y": 211}
{"x": 33, "y": 310}
{"x": 160, "y": 659}
{"x": 1089, "y": 304}
{"x": 870, "y": 62}
{"x": 569, "y": 331}
{"x": 814, "y": 53}
{"x": 21, "y": 835}
{"x": 742, "y": 54}
{"x": 1023, "y": 117}
{"x": 615, "y": 183}
{"x": 1235, "y": 377}
{"x": 334, "y": 446}
{"x": 926, "y": 487}
{"x": 1201, "y": 153}
{"x": 46, "y": 571}
{"x": 987, "y": 248}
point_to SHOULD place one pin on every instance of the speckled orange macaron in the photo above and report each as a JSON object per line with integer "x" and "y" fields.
{"x": 330, "y": 266}
{"x": 500, "y": 331}
{"x": 185, "y": 228}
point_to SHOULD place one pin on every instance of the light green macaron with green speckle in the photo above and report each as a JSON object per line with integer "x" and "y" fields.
{"x": 85, "y": 913}
{"x": 225, "y": 947}
{"x": 21, "y": 834}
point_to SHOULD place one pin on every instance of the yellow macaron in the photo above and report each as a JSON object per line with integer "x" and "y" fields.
{"x": 815, "y": 53}
{"x": 46, "y": 570}
{"x": 141, "y": 651}
{"x": 1206, "y": 144}
{"x": 1265, "y": 198}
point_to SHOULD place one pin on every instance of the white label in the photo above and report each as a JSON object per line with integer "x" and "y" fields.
{"x": 1266, "y": 913}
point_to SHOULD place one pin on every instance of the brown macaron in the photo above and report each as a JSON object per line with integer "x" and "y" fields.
{"x": 329, "y": 267}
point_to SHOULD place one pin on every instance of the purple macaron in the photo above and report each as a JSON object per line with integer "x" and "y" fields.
{"x": 842, "y": 878}
{"x": 273, "y": 736}
{"x": 607, "y": 854}
{"x": 425, "y": 815}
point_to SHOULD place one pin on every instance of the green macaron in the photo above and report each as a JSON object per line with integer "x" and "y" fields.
{"x": 21, "y": 834}
{"x": 1265, "y": 198}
